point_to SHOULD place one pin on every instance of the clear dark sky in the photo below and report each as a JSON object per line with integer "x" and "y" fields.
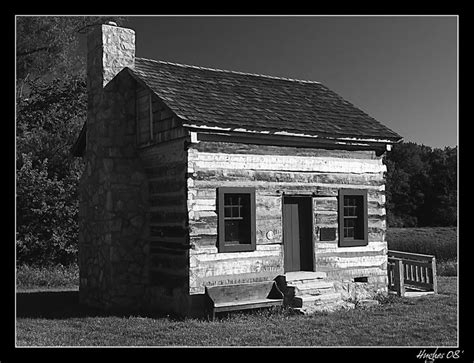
{"x": 400, "y": 70}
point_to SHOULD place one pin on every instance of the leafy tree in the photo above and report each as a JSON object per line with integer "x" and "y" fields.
{"x": 51, "y": 106}
{"x": 47, "y": 175}
{"x": 441, "y": 203}
{"x": 46, "y": 215}
{"x": 47, "y": 46}
{"x": 421, "y": 186}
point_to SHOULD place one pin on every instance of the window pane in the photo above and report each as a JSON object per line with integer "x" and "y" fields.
{"x": 353, "y": 218}
{"x": 237, "y": 232}
{"x": 352, "y": 215}
{"x": 237, "y": 218}
{"x": 349, "y": 228}
{"x": 231, "y": 230}
{"x": 350, "y": 210}
{"x": 236, "y": 212}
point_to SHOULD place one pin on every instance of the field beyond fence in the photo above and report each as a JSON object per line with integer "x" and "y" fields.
{"x": 438, "y": 241}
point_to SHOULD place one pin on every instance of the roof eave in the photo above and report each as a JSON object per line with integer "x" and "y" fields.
{"x": 336, "y": 139}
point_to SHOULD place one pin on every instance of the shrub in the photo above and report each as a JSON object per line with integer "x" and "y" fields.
{"x": 48, "y": 122}
{"x": 46, "y": 216}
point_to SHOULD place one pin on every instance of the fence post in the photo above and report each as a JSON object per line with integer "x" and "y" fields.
{"x": 399, "y": 277}
{"x": 435, "y": 279}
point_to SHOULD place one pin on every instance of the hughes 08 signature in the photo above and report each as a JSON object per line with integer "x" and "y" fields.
{"x": 432, "y": 356}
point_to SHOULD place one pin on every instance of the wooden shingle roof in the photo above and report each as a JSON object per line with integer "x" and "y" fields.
{"x": 204, "y": 97}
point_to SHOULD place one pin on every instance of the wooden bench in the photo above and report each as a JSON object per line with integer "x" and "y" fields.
{"x": 233, "y": 297}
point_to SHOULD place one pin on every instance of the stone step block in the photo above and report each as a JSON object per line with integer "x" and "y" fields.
{"x": 307, "y": 300}
{"x": 292, "y": 277}
{"x": 313, "y": 287}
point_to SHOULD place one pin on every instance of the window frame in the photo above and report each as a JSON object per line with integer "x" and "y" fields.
{"x": 353, "y": 242}
{"x": 243, "y": 247}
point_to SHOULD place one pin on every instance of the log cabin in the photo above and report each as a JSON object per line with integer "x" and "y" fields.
{"x": 198, "y": 178}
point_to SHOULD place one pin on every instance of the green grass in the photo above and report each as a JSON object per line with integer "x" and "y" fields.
{"x": 425, "y": 321}
{"x": 29, "y": 277}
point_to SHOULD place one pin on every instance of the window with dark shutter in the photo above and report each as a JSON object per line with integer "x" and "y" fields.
{"x": 236, "y": 219}
{"x": 353, "y": 229}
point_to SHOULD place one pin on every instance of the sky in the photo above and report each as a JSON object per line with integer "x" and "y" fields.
{"x": 401, "y": 70}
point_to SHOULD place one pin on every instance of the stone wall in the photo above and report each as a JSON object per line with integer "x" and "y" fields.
{"x": 113, "y": 190}
{"x": 113, "y": 205}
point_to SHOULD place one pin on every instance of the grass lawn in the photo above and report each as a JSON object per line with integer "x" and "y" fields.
{"x": 48, "y": 317}
{"x": 425, "y": 321}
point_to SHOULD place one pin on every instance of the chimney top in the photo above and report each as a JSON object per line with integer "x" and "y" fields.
{"x": 110, "y": 48}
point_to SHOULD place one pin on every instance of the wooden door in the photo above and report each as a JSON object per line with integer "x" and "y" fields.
{"x": 297, "y": 234}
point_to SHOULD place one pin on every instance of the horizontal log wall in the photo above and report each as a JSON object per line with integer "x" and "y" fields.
{"x": 274, "y": 172}
{"x": 349, "y": 263}
{"x": 165, "y": 166}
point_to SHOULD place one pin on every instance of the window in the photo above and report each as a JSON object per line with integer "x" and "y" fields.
{"x": 236, "y": 219}
{"x": 352, "y": 217}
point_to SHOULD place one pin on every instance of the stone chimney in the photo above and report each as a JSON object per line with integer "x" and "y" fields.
{"x": 113, "y": 187}
{"x": 110, "y": 48}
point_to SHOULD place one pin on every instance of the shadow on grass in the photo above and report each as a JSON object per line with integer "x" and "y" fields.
{"x": 54, "y": 304}
{"x": 65, "y": 304}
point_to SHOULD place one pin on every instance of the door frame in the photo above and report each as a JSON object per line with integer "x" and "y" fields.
{"x": 311, "y": 225}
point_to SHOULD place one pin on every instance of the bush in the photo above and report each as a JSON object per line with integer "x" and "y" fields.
{"x": 48, "y": 122}
{"x": 46, "y": 216}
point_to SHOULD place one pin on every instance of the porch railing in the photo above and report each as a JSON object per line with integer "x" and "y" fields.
{"x": 411, "y": 271}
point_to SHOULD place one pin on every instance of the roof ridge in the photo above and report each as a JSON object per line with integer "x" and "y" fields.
{"x": 229, "y": 71}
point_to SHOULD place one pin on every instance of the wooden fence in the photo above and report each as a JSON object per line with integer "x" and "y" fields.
{"x": 411, "y": 271}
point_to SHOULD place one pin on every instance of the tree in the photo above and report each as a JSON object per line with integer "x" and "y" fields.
{"x": 47, "y": 46}
{"x": 421, "y": 186}
{"x": 51, "y": 108}
{"x": 47, "y": 175}
{"x": 441, "y": 203}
